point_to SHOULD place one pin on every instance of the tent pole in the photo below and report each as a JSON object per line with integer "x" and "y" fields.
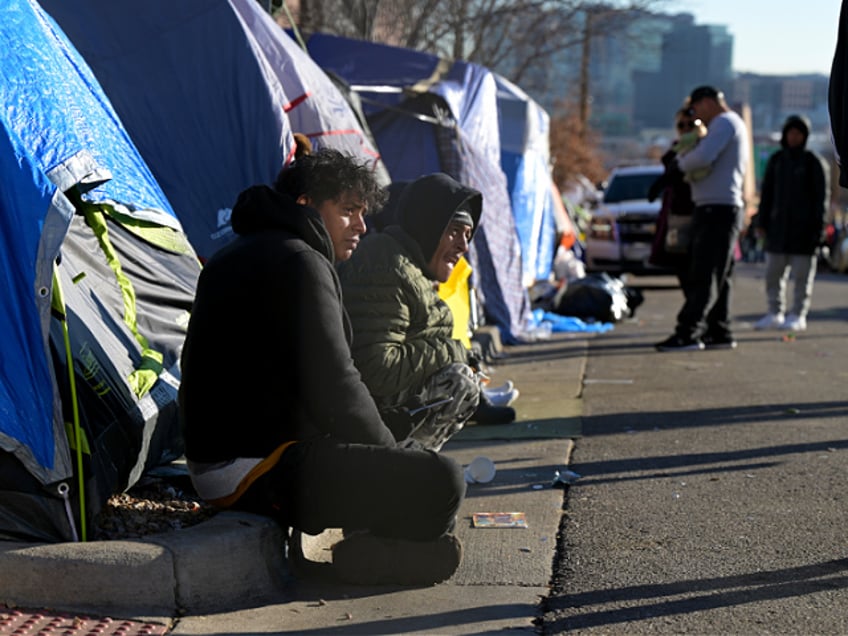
{"x": 59, "y": 302}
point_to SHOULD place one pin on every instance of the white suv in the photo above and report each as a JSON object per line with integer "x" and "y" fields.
{"x": 622, "y": 227}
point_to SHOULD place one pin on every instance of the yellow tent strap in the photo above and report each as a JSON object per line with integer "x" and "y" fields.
{"x": 144, "y": 377}
{"x": 58, "y": 305}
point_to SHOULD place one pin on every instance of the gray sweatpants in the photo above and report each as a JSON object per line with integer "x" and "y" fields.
{"x": 803, "y": 271}
{"x": 457, "y": 383}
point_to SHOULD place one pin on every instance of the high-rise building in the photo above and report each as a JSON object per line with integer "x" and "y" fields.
{"x": 641, "y": 70}
{"x": 691, "y": 55}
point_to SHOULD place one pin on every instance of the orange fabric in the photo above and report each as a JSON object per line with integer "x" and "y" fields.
{"x": 260, "y": 469}
{"x": 563, "y": 220}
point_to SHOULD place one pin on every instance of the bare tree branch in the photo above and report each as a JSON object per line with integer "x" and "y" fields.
{"x": 519, "y": 39}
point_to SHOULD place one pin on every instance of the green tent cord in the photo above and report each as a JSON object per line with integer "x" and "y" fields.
{"x": 58, "y": 305}
{"x": 146, "y": 373}
{"x": 165, "y": 238}
{"x": 294, "y": 28}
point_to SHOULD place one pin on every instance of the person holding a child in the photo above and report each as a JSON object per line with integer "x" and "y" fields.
{"x": 704, "y": 320}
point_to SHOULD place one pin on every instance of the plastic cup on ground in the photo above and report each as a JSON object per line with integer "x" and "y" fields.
{"x": 481, "y": 470}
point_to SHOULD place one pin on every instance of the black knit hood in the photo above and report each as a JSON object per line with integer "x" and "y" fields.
{"x": 798, "y": 122}
{"x": 427, "y": 204}
{"x": 261, "y": 208}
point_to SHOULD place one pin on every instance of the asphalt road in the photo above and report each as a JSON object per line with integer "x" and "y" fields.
{"x": 713, "y": 497}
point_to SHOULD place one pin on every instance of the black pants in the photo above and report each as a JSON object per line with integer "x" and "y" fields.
{"x": 706, "y": 309}
{"x": 393, "y": 492}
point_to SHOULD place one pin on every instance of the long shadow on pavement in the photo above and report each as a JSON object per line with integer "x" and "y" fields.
{"x": 687, "y": 460}
{"x": 717, "y": 592}
{"x": 617, "y": 423}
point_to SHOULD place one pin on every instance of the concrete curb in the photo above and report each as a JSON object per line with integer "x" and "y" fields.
{"x": 231, "y": 558}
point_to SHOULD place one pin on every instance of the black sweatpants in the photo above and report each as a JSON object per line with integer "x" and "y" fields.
{"x": 708, "y": 285}
{"x": 392, "y": 492}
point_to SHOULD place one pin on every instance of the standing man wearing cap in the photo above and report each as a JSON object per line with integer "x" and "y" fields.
{"x": 704, "y": 319}
{"x": 403, "y": 341}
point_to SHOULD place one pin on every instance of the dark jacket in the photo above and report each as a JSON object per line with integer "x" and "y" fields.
{"x": 267, "y": 358}
{"x": 402, "y": 329}
{"x": 793, "y": 197}
{"x": 838, "y": 96}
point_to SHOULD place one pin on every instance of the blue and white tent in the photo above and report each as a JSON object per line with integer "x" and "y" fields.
{"x": 210, "y": 92}
{"x": 98, "y": 278}
{"x": 428, "y": 115}
{"x": 525, "y": 159}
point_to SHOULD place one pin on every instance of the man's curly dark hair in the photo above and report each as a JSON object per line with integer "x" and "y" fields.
{"x": 327, "y": 174}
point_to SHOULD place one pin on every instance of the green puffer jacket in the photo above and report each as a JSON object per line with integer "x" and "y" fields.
{"x": 402, "y": 328}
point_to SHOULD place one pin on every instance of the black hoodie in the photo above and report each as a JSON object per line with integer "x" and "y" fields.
{"x": 793, "y": 196}
{"x": 267, "y": 356}
{"x": 426, "y": 206}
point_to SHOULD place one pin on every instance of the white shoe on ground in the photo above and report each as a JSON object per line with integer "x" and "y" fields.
{"x": 506, "y": 387}
{"x": 502, "y": 399}
{"x": 770, "y": 321}
{"x": 795, "y": 323}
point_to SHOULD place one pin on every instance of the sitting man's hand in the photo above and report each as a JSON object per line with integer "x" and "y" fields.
{"x": 401, "y": 420}
{"x": 474, "y": 362}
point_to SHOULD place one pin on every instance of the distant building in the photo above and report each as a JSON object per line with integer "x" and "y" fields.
{"x": 774, "y": 97}
{"x": 640, "y": 73}
{"x": 691, "y": 55}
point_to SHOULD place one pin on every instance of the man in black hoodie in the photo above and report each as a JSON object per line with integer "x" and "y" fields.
{"x": 275, "y": 416}
{"x": 791, "y": 215}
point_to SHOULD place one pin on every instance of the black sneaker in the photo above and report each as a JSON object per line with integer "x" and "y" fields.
{"x": 489, "y": 414}
{"x": 725, "y": 341}
{"x": 365, "y": 559}
{"x": 676, "y": 343}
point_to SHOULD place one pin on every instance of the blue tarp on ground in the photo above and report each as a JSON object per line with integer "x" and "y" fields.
{"x": 211, "y": 92}
{"x": 58, "y": 132}
{"x": 431, "y": 115}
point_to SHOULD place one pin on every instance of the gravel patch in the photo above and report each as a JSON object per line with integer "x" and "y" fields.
{"x": 153, "y": 506}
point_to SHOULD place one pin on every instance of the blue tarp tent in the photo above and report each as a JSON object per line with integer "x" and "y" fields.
{"x": 429, "y": 115}
{"x": 525, "y": 159}
{"x": 211, "y": 92}
{"x": 95, "y": 266}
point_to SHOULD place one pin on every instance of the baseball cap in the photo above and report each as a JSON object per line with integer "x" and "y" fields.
{"x": 705, "y": 91}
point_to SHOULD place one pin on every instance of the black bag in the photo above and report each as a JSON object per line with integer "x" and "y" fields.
{"x": 598, "y": 297}
{"x": 678, "y": 233}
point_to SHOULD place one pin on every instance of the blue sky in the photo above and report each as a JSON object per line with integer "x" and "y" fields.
{"x": 772, "y": 36}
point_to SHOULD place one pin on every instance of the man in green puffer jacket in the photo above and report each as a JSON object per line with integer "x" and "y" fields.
{"x": 403, "y": 344}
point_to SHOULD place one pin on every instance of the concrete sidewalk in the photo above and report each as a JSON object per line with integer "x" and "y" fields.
{"x": 228, "y": 575}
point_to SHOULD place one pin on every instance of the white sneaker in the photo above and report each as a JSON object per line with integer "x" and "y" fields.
{"x": 506, "y": 387}
{"x": 795, "y": 323}
{"x": 770, "y": 321}
{"x": 502, "y": 399}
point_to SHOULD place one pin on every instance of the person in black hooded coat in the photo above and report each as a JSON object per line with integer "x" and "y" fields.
{"x": 275, "y": 416}
{"x": 790, "y": 217}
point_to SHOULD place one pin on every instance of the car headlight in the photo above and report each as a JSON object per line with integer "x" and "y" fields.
{"x": 602, "y": 229}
